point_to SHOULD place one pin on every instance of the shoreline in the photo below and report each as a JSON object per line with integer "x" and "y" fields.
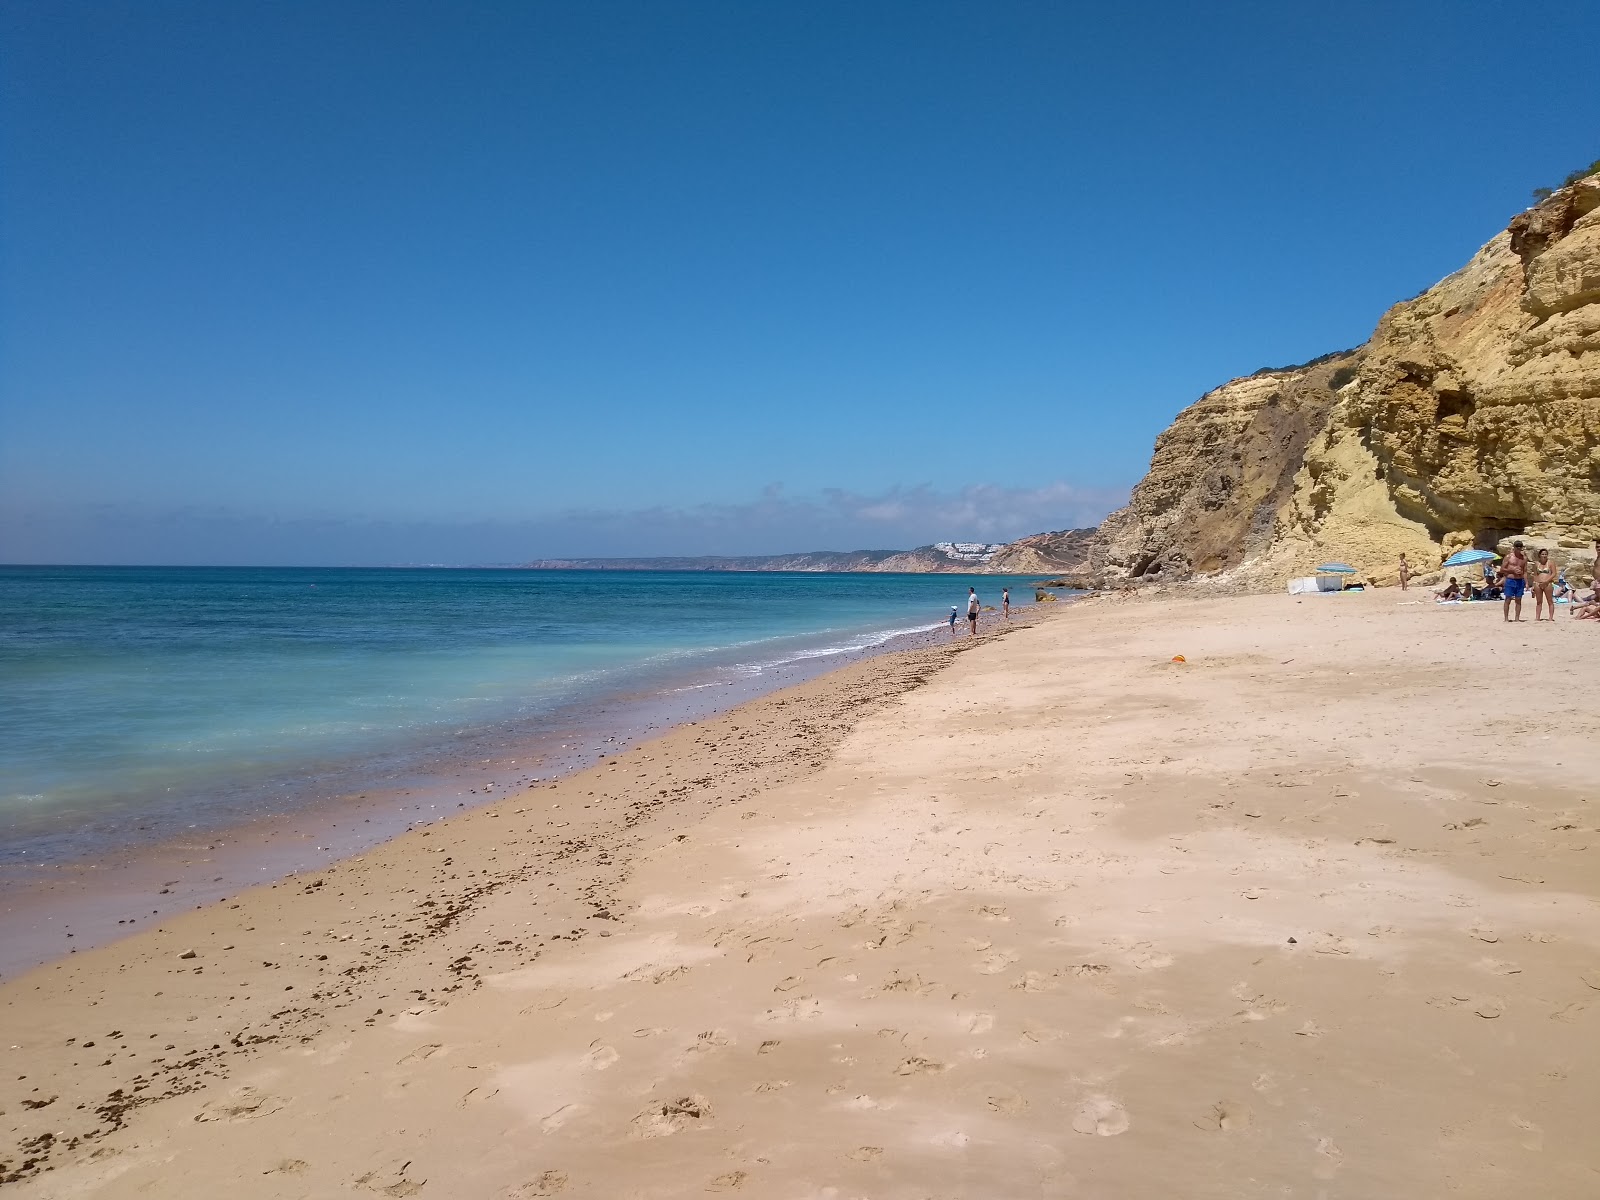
{"x": 54, "y": 909}
{"x": 1308, "y": 912}
{"x": 587, "y": 816}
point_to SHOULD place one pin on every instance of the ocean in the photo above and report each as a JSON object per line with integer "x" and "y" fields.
{"x": 141, "y": 704}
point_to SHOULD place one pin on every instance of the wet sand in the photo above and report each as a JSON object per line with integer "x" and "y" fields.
{"x": 69, "y": 905}
{"x": 1314, "y": 913}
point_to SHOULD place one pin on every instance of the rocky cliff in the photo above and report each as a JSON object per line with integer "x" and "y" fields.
{"x": 1471, "y": 416}
{"x": 1065, "y": 552}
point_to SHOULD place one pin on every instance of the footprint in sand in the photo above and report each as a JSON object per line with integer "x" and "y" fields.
{"x": 1591, "y": 978}
{"x": 993, "y": 964}
{"x": 1034, "y": 981}
{"x": 246, "y": 1104}
{"x": 1226, "y": 1116}
{"x": 1006, "y": 1101}
{"x": 549, "y": 1183}
{"x": 1100, "y": 1116}
{"x": 866, "y": 1153}
{"x": 560, "y": 1117}
{"x": 420, "y": 1054}
{"x": 397, "y": 1184}
{"x": 600, "y": 1057}
{"x": 917, "y": 1065}
{"x": 728, "y": 1181}
{"x": 980, "y": 1022}
{"x": 1497, "y": 966}
{"x": 1489, "y": 1007}
{"x": 1331, "y": 1159}
{"x": 672, "y": 1116}
{"x": 1533, "y": 1138}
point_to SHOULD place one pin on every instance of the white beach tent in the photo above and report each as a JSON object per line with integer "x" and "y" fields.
{"x": 1315, "y": 583}
{"x": 1329, "y": 578}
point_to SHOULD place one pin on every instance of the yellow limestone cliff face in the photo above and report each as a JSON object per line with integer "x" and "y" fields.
{"x": 1472, "y": 416}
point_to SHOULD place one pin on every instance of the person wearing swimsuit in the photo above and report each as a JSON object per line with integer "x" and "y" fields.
{"x": 1405, "y": 573}
{"x": 1544, "y": 578}
{"x": 1513, "y": 579}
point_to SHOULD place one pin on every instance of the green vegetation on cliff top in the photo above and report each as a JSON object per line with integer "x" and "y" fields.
{"x": 1544, "y": 193}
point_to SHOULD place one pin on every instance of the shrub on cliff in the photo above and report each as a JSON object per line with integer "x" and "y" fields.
{"x": 1581, "y": 173}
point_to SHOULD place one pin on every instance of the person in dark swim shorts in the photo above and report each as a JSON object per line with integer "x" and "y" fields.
{"x": 1513, "y": 579}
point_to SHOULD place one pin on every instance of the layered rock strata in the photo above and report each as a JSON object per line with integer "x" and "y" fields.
{"x": 1471, "y": 416}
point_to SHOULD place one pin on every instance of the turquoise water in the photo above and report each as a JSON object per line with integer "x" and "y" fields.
{"x": 138, "y": 702}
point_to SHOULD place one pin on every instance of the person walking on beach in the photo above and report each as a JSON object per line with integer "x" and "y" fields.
{"x": 1405, "y": 573}
{"x": 1513, "y": 579}
{"x": 1005, "y": 603}
{"x": 954, "y": 613}
{"x": 1544, "y": 584}
{"x": 972, "y": 612}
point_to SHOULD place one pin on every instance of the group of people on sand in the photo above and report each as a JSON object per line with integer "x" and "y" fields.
{"x": 1513, "y": 578}
{"x": 974, "y": 606}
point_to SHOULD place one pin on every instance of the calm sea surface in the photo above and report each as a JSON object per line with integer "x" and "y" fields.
{"x": 139, "y": 702}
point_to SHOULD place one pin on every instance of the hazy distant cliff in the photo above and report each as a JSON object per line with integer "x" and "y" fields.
{"x": 1470, "y": 416}
{"x": 947, "y": 557}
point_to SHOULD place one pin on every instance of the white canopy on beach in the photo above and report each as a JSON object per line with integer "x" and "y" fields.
{"x": 1315, "y": 583}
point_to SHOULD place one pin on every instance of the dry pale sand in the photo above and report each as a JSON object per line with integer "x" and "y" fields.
{"x": 1313, "y": 914}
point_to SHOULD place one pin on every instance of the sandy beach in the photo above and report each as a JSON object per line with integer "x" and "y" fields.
{"x": 1312, "y": 913}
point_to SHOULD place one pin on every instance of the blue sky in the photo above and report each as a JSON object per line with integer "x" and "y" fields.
{"x": 404, "y": 282}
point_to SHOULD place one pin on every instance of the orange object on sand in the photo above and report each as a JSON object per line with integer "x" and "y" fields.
{"x": 1179, "y": 658}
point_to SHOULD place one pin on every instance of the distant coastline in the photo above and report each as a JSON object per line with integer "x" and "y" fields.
{"x": 943, "y": 556}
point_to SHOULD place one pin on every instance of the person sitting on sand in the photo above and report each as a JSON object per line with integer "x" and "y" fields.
{"x": 1451, "y": 591}
{"x": 1513, "y": 577}
{"x": 1544, "y": 581}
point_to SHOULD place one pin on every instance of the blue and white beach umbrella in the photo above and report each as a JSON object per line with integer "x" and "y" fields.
{"x": 1465, "y": 558}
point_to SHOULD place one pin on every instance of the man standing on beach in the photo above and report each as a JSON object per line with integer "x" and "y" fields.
{"x": 972, "y": 612}
{"x": 1513, "y": 579}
